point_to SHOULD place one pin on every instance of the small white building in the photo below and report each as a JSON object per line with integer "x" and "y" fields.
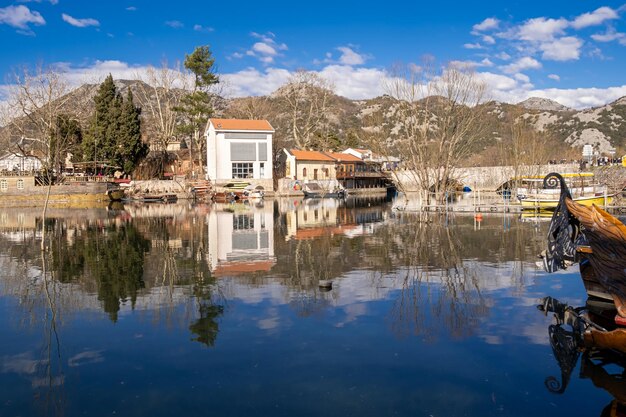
{"x": 19, "y": 163}
{"x": 239, "y": 150}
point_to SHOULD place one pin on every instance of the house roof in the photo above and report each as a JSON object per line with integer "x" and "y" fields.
{"x": 344, "y": 157}
{"x": 310, "y": 155}
{"x": 241, "y": 124}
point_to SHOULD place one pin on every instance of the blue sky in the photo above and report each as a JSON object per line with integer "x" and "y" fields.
{"x": 571, "y": 51}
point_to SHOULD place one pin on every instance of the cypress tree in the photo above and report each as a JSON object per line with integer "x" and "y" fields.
{"x": 130, "y": 148}
{"x": 114, "y": 134}
{"x": 96, "y": 144}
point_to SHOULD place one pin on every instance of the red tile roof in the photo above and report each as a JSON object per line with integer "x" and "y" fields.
{"x": 344, "y": 157}
{"x": 241, "y": 124}
{"x": 310, "y": 155}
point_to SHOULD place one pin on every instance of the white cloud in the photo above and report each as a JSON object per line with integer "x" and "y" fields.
{"x": 252, "y": 82}
{"x": 473, "y": 46}
{"x": 355, "y": 83}
{"x": 497, "y": 82}
{"x": 594, "y": 18}
{"x": 554, "y": 77}
{"x": 200, "y": 28}
{"x": 503, "y": 56}
{"x": 20, "y": 17}
{"x": 267, "y": 49}
{"x": 610, "y": 35}
{"x": 488, "y": 39}
{"x": 131, "y": 8}
{"x": 521, "y": 64}
{"x": 521, "y": 77}
{"x": 79, "y": 23}
{"x": 541, "y": 29}
{"x": 350, "y": 57}
{"x": 176, "y": 24}
{"x": 264, "y": 49}
{"x": 562, "y": 49}
{"x": 487, "y": 24}
{"x": 486, "y": 62}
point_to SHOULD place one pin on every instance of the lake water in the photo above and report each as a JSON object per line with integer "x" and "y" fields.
{"x": 159, "y": 310}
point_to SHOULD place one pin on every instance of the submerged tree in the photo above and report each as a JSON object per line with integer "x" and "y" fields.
{"x": 440, "y": 120}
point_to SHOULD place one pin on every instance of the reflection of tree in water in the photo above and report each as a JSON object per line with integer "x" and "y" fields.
{"x": 108, "y": 255}
{"x": 438, "y": 288}
{"x": 206, "y": 326}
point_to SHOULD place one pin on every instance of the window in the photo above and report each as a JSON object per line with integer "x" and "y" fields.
{"x": 20, "y": 184}
{"x": 4, "y": 185}
{"x": 242, "y": 151}
{"x": 315, "y": 174}
{"x": 303, "y": 172}
{"x": 242, "y": 170}
{"x": 262, "y": 170}
{"x": 243, "y": 222}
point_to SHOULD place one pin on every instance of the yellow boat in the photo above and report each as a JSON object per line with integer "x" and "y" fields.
{"x": 549, "y": 202}
{"x": 535, "y": 194}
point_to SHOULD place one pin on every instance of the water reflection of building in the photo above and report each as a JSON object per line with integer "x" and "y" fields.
{"x": 314, "y": 218}
{"x": 241, "y": 239}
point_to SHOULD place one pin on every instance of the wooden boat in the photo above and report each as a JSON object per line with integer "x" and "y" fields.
{"x": 157, "y": 198}
{"x": 593, "y": 238}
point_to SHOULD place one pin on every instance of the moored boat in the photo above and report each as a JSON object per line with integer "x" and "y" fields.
{"x": 535, "y": 193}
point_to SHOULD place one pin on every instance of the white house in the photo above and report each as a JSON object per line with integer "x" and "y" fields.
{"x": 239, "y": 150}
{"x": 16, "y": 162}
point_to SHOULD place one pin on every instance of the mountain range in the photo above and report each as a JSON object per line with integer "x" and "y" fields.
{"x": 354, "y": 123}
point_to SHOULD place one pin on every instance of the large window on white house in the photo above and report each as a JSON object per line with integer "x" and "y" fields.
{"x": 20, "y": 184}
{"x": 242, "y": 151}
{"x": 4, "y": 185}
{"x": 242, "y": 170}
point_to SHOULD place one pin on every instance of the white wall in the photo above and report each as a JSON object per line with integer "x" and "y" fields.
{"x": 219, "y": 161}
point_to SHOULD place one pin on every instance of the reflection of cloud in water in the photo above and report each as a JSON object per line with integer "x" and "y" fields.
{"x": 86, "y": 357}
{"x": 21, "y": 364}
{"x": 268, "y": 324}
{"x": 353, "y": 311}
{"x": 491, "y": 339}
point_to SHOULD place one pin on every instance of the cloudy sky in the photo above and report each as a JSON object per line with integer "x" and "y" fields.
{"x": 570, "y": 51}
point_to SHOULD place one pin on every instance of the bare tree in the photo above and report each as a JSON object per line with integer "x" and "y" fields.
{"x": 161, "y": 91}
{"x": 40, "y": 103}
{"x": 309, "y": 100}
{"x": 440, "y": 120}
{"x": 526, "y": 150}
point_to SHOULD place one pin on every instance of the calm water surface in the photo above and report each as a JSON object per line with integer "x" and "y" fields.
{"x": 217, "y": 310}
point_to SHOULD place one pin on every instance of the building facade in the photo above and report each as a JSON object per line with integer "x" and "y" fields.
{"x": 239, "y": 150}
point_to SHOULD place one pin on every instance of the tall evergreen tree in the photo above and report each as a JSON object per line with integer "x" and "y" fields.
{"x": 130, "y": 148}
{"x": 197, "y": 106}
{"x": 97, "y": 141}
{"x": 114, "y": 134}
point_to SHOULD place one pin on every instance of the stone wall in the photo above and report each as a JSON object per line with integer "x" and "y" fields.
{"x": 485, "y": 178}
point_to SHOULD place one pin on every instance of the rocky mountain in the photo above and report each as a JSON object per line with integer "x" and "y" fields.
{"x": 537, "y": 103}
{"x": 352, "y": 123}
